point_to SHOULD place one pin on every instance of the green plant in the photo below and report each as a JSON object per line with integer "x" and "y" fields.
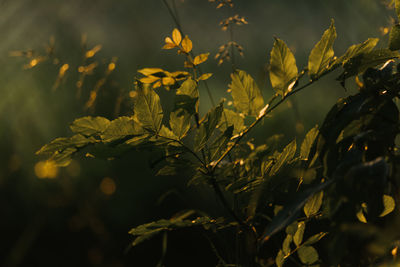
{"x": 301, "y": 206}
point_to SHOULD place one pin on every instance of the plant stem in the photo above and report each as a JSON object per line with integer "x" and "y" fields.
{"x": 178, "y": 25}
{"x": 269, "y": 110}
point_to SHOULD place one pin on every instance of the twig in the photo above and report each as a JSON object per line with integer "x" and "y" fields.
{"x": 269, "y": 110}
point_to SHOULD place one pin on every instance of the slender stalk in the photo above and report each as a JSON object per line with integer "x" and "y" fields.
{"x": 178, "y": 25}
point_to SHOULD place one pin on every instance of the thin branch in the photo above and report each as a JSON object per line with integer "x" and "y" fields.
{"x": 178, "y": 25}
{"x": 269, "y": 110}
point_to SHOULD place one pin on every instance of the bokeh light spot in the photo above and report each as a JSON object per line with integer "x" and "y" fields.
{"x": 108, "y": 186}
{"x": 46, "y": 169}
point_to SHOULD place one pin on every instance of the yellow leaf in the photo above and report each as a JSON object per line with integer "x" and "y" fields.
{"x": 169, "y": 46}
{"x": 176, "y": 36}
{"x": 179, "y": 74}
{"x": 205, "y": 76}
{"x": 150, "y": 71}
{"x": 149, "y": 79}
{"x": 187, "y": 44}
{"x": 168, "y": 40}
{"x": 200, "y": 58}
{"x": 168, "y": 81}
{"x": 157, "y": 84}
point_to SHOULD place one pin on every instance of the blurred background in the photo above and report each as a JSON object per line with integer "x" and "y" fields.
{"x": 81, "y": 215}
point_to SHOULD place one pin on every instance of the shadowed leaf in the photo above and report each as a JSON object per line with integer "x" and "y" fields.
{"x": 394, "y": 38}
{"x": 285, "y": 156}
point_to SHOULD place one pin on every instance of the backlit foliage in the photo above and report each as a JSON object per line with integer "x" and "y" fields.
{"x": 303, "y": 202}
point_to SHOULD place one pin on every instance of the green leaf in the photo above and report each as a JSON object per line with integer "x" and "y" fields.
{"x": 90, "y": 125}
{"x": 287, "y": 154}
{"x": 388, "y": 204}
{"x": 286, "y": 244}
{"x": 64, "y": 157}
{"x": 314, "y": 239}
{"x": 308, "y": 142}
{"x": 149, "y": 230}
{"x": 298, "y": 236}
{"x": 280, "y": 258}
{"x": 357, "y": 49}
{"x": 229, "y": 118}
{"x": 283, "y": 69}
{"x": 394, "y": 38}
{"x": 208, "y": 126}
{"x": 167, "y": 170}
{"x": 220, "y": 144}
{"x": 167, "y": 133}
{"x": 147, "y": 108}
{"x": 246, "y": 95}
{"x": 291, "y": 229}
{"x": 362, "y": 62}
{"x": 313, "y": 205}
{"x": 322, "y": 53}
{"x": 307, "y": 254}
{"x": 62, "y": 143}
{"x": 179, "y": 121}
{"x": 397, "y": 7}
{"x": 187, "y": 97}
{"x": 57, "y": 144}
{"x": 121, "y": 128}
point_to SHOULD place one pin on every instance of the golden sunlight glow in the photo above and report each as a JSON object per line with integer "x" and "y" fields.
{"x": 93, "y": 51}
{"x": 394, "y": 251}
{"x": 108, "y": 186}
{"x": 46, "y": 169}
{"x": 132, "y": 94}
{"x": 62, "y": 70}
{"x": 111, "y": 66}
